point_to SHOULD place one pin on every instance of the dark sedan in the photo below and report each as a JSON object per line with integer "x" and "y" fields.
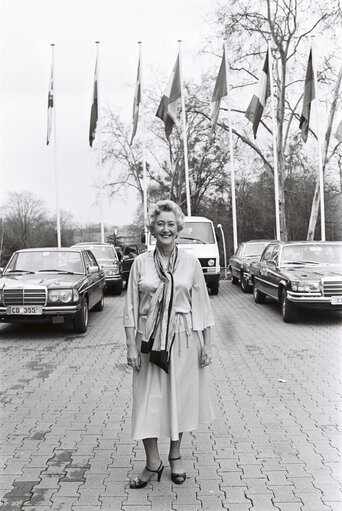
{"x": 239, "y": 264}
{"x": 300, "y": 274}
{"x": 51, "y": 284}
{"x": 109, "y": 262}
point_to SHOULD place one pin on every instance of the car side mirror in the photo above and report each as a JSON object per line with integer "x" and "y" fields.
{"x": 93, "y": 269}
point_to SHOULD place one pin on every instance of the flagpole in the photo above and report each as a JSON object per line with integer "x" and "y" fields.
{"x": 274, "y": 136}
{"x": 231, "y": 153}
{"x": 99, "y": 144}
{"x": 320, "y": 163}
{"x": 143, "y": 140}
{"x": 59, "y": 243}
{"x": 185, "y": 143}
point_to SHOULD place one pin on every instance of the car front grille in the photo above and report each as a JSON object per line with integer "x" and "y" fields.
{"x": 332, "y": 287}
{"x": 25, "y": 296}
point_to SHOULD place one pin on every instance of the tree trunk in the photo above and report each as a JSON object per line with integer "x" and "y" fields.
{"x": 316, "y": 198}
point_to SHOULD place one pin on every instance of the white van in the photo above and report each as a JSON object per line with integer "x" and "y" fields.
{"x": 198, "y": 237}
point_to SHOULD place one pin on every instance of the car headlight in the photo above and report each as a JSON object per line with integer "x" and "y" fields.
{"x": 305, "y": 287}
{"x": 53, "y": 296}
{"x": 211, "y": 262}
{"x": 66, "y": 295}
{"x": 110, "y": 272}
{"x": 61, "y": 295}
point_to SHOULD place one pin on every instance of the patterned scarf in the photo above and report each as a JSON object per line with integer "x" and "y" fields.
{"x": 160, "y": 322}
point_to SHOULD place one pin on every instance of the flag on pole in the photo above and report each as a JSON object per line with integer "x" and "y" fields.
{"x": 309, "y": 96}
{"x": 136, "y": 103}
{"x": 338, "y": 133}
{"x": 167, "y": 110}
{"x": 94, "y": 110}
{"x": 258, "y": 101}
{"x": 220, "y": 90}
{"x": 50, "y": 105}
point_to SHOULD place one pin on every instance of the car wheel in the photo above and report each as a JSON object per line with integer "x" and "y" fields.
{"x": 235, "y": 280}
{"x": 118, "y": 288}
{"x": 288, "y": 310}
{"x": 99, "y": 305}
{"x": 214, "y": 288}
{"x": 259, "y": 297}
{"x": 245, "y": 285}
{"x": 80, "y": 321}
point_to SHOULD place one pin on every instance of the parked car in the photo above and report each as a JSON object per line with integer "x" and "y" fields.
{"x": 129, "y": 252}
{"x": 51, "y": 284}
{"x": 246, "y": 253}
{"x": 109, "y": 261}
{"x": 300, "y": 274}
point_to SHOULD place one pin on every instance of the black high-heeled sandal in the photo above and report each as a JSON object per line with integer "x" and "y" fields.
{"x": 139, "y": 483}
{"x": 177, "y": 478}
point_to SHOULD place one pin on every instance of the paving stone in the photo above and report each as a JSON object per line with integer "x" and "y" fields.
{"x": 235, "y": 495}
{"x": 41, "y": 497}
{"x": 111, "y": 503}
{"x": 263, "y": 502}
{"x": 312, "y": 501}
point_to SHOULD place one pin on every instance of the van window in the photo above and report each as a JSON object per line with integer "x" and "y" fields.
{"x": 196, "y": 232}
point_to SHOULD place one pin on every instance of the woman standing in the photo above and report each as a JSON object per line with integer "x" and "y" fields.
{"x": 167, "y": 320}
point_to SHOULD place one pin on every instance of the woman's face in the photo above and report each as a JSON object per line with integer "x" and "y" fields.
{"x": 165, "y": 229}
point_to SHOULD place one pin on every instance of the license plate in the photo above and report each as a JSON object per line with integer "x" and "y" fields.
{"x": 336, "y": 300}
{"x": 25, "y": 310}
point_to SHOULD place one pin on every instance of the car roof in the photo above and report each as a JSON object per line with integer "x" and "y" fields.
{"x": 308, "y": 242}
{"x": 259, "y": 241}
{"x": 92, "y": 243}
{"x": 51, "y": 249}
{"x": 197, "y": 219}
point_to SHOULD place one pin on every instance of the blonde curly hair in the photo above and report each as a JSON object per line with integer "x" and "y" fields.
{"x": 164, "y": 205}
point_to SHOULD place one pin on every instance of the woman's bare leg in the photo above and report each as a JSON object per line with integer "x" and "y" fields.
{"x": 177, "y": 465}
{"x": 152, "y": 457}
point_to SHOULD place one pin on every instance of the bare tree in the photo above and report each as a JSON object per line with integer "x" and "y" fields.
{"x": 248, "y": 26}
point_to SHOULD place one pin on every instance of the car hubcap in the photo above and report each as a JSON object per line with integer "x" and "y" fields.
{"x": 85, "y": 313}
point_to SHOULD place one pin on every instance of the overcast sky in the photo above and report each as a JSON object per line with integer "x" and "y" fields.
{"x": 27, "y": 27}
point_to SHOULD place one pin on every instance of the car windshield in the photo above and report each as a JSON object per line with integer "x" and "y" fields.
{"x": 312, "y": 254}
{"x": 46, "y": 261}
{"x": 102, "y": 253}
{"x": 196, "y": 232}
{"x": 254, "y": 249}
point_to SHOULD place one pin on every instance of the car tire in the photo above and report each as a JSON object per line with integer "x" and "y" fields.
{"x": 244, "y": 283}
{"x": 235, "y": 280}
{"x": 214, "y": 288}
{"x": 80, "y": 321}
{"x": 259, "y": 297}
{"x": 118, "y": 288}
{"x": 288, "y": 310}
{"x": 98, "y": 307}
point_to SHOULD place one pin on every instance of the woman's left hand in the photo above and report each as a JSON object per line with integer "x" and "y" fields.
{"x": 205, "y": 356}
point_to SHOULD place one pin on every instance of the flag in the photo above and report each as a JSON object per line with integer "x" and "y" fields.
{"x": 50, "y": 106}
{"x": 258, "y": 101}
{"x": 338, "y": 133}
{"x": 309, "y": 96}
{"x": 136, "y": 103}
{"x": 220, "y": 90}
{"x": 167, "y": 110}
{"x": 94, "y": 110}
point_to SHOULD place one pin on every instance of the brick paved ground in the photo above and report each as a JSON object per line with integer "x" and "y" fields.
{"x": 275, "y": 443}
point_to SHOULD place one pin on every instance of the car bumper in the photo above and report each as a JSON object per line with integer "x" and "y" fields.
{"x": 211, "y": 277}
{"x": 315, "y": 302}
{"x": 47, "y": 312}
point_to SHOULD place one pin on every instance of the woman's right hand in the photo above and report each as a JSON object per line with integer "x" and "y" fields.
{"x": 133, "y": 357}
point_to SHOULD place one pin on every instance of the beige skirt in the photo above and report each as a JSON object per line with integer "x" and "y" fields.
{"x": 165, "y": 405}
